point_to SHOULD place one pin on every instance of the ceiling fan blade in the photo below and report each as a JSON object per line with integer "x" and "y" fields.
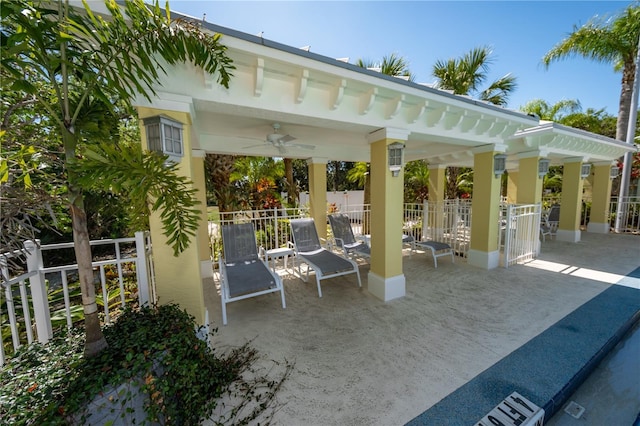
{"x": 286, "y": 138}
{"x": 303, "y": 146}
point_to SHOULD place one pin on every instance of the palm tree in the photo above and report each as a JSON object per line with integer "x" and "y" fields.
{"x": 613, "y": 41}
{"x": 393, "y": 65}
{"x": 555, "y": 112}
{"x": 259, "y": 176}
{"x": 465, "y": 76}
{"x": 218, "y": 169}
{"x": 84, "y": 58}
{"x": 416, "y": 178}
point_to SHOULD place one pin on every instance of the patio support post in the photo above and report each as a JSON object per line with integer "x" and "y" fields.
{"x": 386, "y": 280}
{"x": 600, "y": 196}
{"x": 318, "y": 193}
{"x": 571, "y": 204}
{"x": 437, "y": 183}
{"x": 199, "y": 181}
{"x": 529, "y": 184}
{"x": 512, "y": 186}
{"x": 437, "y": 189}
{"x": 484, "y": 251}
{"x": 179, "y": 278}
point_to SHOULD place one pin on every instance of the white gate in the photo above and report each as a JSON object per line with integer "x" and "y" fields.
{"x": 520, "y": 233}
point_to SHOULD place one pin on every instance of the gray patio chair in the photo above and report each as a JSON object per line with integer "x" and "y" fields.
{"x": 345, "y": 240}
{"x": 243, "y": 274}
{"x": 326, "y": 264}
{"x": 436, "y": 248}
{"x": 549, "y": 222}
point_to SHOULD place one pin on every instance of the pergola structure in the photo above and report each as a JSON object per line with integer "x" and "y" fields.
{"x": 343, "y": 112}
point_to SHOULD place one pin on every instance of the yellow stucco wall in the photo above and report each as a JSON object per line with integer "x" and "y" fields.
{"x": 601, "y": 193}
{"x": 178, "y": 278}
{"x": 571, "y": 204}
{"x": 386, "y": 213}
{"x": 318, "y": 195}
{"x": 437, "y": 183}
{"x": 485, "y": 204}
{"x": 512, "y": 186}
{"x": 529, "y": 184}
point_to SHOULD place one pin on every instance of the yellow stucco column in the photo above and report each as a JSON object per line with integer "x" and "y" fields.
{"x": 178, "y": 279}
{"x": 600, "y": 198}
{"x": 571, "y": 202}
{"x": 512, "y": 186}
{"x": 199, "y": 182}
{"x": 437, "y": 183}
{"x": 434, "y": 216}
{"x": 529, "y": 182}
{"x": 386, "y": 280}
{"x": 484, "y": 251}
{"x": 318, "y": 194}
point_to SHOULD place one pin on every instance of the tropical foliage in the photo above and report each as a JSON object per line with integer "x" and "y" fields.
{"x": 467, "y": 74}
{"x": 392, "y": 64}
{"x": 156, "y": 357}
{"x": 87, "y": 63}
{"x": 612, "y": 40}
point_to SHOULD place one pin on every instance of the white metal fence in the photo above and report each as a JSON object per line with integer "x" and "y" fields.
{"x": 447, "y": 221}
{"x": 520, "y": 233}
{"x": 43, "y": 298}
{"x": 625, "y": 215}
{"x": 271, "y": 225}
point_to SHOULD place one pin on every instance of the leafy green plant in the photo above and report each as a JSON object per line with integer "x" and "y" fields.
{"x": 155, "y": 361}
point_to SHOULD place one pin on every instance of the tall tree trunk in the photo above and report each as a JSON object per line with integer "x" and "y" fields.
{"x": 95, "y": 341}
{"x": 452, "y": 182}
{"x": 292, "y": 196}
{"x": 624, "y": 108}
{"x": 218, "y": 169}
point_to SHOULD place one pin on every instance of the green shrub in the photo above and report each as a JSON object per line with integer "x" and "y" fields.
{"x": 156, "y": 354}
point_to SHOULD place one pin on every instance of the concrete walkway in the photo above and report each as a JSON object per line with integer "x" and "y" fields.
{"x": 461, "y": 335}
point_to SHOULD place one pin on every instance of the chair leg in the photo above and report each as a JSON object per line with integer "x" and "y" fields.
{"x": 319, "y": 289}
{"x": 224, "y": 312}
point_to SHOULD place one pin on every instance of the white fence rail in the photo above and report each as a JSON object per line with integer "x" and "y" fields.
{"x": 24, "y": 302}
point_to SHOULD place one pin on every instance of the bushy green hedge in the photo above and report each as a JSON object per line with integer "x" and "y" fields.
{"x": 157, "y": 352}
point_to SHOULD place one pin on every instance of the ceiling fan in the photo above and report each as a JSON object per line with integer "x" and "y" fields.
{"x": 282, "y": 142}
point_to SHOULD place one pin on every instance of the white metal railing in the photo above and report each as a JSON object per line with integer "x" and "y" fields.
{"x": 32, "y": 299}
{"x": 360, "y": 218}
{"x": 447, "y": 221}
{"x": 271, "y": 225}
{"x": 520, "y": 233}
{"x": 625, "y": 214}
{"x": 623, "y": 220}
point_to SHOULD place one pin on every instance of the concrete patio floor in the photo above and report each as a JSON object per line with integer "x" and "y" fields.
{"x": 361, "y": 361}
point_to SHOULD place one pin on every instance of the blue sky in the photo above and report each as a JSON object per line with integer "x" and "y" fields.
{"x": 519, "y": 33}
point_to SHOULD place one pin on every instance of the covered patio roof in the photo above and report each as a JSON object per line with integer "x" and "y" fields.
{"x": 330, "y": 106}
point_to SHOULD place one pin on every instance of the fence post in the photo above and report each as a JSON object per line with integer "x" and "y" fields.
{"x": 425, "y": 221}
{"x": 142, "y": 273}
{"x": 38, "y": 291}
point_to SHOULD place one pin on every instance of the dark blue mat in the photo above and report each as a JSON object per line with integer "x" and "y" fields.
{"x": 550, "y": 367}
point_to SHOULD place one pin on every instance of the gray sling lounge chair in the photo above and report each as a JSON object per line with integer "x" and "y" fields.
{"x": 324, "y": 263}
{"x": 243, "y": 274}
{"x": 436, "y": 248}
{"x": 343, "y": 235}
{"x": 549, "y": 222}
